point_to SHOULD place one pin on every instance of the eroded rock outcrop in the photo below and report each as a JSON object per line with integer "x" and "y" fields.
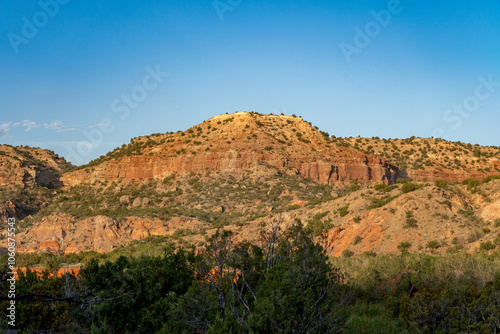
{"x": 28, "y": 167}
{"x": 432, "y": 174}
{"x": 62, "y": 234}
{"x": 237, "y": 142}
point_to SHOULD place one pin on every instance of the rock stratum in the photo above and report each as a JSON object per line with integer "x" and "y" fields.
{"x": 236, "y": 142}
{"x": 28, "y": 167}
{"x": 238, "y": 171}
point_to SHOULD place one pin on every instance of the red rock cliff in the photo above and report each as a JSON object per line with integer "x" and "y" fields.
{"x": 236, "y": 142}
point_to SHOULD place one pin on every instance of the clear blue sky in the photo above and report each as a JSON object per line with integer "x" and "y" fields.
{"x": 67, "y": 71}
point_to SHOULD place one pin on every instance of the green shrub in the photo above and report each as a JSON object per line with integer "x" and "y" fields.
{"x": 408, "y": 187}
{"x": 497, "y": 240}
{"x": 433, "y": 244}
{"x": 343, "y": 211}
{"x": 354, "y": 187}
{"x": 471, "y": 184}
{"x": 404, "y": 246}
{"x": 168, "y": 180}
{"x": 51, "y": 262}
{"x": 357, "y": 240}
{"x": 411, "y": 222}
{"x": 385, "y": 188}
{"x": 193, "y": 180}
{"x": 369, "y": 254}
{"x": 347, "y": 253}
{"x": 488, "y": 245}
{"x": 378, "y": 203}
{"x": 441, "y": 184}
{"x": 317, "y": 201}
{"x": 317, "y": 226}
{"x": 179, "y": 233}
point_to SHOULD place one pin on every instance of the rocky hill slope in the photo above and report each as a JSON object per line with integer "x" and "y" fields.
{"x": 242, "y": 170}
{"x": 236, "y": 142}
{"x": 28, "y": 167}
{"x": 431, "y": 159}
{"x": 380, "y": 219}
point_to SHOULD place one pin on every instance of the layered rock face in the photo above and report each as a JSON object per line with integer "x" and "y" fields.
{"x": 328, "y": 170}
{"x": 431, "y": 175}
{"x": 29, "y": 177}
{"x": 239, "y": 141}
{"x": 431, "y": 159}
{"x": 456, "y": 175}
{"x": 62, "y": 234}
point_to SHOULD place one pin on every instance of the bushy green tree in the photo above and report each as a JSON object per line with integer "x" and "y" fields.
{"x": 134, "y": 295}
{"x": 300, "y": 294}
{"x": 454, "y": 309}
{"x": 284, "y": 285}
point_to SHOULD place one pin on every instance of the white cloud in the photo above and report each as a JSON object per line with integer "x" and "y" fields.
{"x": 29, "y": 125}
{"x": 5, "y": 129}
{"x": 55, "y": 125}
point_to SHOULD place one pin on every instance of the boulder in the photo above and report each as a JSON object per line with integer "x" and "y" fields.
{"x": 125, "y": 199}
{"x": 137, "y": 202}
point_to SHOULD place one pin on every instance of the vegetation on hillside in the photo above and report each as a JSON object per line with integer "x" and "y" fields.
{"x": 420, "y": 153}
{"x": 285, "y": 284}
{"x": 26, "y": 155}
{"x": 200, "y": 279}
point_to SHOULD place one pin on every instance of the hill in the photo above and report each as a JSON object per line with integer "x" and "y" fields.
{"x": 235, "y": 142}
{"x": 29, "y": 167}
{"x": 431, "y": 159}
{"x": 239, "y": 171}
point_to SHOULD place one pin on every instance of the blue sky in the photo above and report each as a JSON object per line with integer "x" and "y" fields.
{"x": 83, "y": 77}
